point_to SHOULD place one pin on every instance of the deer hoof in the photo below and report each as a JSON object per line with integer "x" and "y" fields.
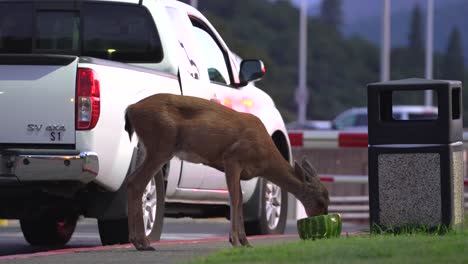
{"x": 234, "y": 241}
{"x": 245, "y": 243}
{"x": 146, "y": 248}
{"x": 142, "y": 244}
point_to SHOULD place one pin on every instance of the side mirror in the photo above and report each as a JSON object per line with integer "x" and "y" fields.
{"x": 251, "y": 70}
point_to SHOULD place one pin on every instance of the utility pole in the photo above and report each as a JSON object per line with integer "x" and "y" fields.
{"x": 301, "y": 91}
{"x": 429, "y": 49}
{"x": 385, "y": 45}
{"x": 194, "y": 3}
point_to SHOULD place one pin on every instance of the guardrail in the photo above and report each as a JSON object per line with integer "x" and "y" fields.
{"x": 351, "y": 207}
{"x": 327, "y": 139}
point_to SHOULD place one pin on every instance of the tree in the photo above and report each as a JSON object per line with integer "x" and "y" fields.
{"x": 453, "y": 66}
{"x": 331, "y": 13}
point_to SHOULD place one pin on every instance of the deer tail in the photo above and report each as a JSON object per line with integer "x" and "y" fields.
{"x": 128, "y": 125}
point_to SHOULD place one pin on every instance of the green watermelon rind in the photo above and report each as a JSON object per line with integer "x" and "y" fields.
{"x": 322, "y": 226}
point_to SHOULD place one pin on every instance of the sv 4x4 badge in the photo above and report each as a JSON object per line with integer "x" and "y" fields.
{"x": 55, "y": 130}
{"x": 34, "y": 127}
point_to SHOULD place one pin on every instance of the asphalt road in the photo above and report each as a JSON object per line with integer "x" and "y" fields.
{"x": 87, "y": 234}
{"x": 202, "y": 238}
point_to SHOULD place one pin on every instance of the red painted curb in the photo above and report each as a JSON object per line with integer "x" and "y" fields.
{"x": 99, "y": 248}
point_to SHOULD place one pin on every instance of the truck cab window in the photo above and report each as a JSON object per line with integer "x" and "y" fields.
{"x": 213, "y": 55}
{"x": 15, "y": 28}
{"x": 112, "y": 31}
{"x": 57, "y": 30}
{"x": 120, "y": 32}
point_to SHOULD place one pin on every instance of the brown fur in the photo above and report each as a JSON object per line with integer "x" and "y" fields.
{"x": 201, "y": 131}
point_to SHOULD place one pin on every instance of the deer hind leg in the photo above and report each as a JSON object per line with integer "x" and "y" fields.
{"x": 233, "y": 170}
{"x": 242, "y": 236}
{"x": 136, "y": 184}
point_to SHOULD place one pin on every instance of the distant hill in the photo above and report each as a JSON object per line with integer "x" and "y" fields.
{"x": 451, "y": 13}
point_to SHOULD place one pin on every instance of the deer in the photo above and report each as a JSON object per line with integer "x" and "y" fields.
{"x": 201, "y": 131}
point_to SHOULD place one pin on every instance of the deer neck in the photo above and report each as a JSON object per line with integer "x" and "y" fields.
{"x": 282, "y": 174}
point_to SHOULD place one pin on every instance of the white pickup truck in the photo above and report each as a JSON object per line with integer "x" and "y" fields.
{"x": 69, "y": 69}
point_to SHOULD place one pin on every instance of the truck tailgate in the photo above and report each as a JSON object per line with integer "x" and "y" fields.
{"x": 37, "y": 99}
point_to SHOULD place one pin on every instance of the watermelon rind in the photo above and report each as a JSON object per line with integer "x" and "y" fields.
{"x": 321, "y": 226}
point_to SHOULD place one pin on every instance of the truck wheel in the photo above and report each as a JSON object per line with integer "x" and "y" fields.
{"x": 272, "y": 211}
{"x": 116, "y": 231}
{"x": 48, "y": 231}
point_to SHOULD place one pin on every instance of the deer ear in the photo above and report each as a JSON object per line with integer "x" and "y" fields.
{"x": 309, "y": 170}
{"x": 299, "y": 172}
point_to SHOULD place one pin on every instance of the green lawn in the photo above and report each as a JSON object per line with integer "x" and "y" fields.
{"x": 404, "y": 248}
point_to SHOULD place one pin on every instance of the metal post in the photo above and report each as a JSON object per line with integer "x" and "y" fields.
{"x": 385, "y": 45}
{"x": 301, "y": 91}
{"x": 194, "y": 3}
{"x": 429, "y": 49}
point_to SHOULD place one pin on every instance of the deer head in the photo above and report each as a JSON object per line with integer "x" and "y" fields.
{"x": 314, "y": 196}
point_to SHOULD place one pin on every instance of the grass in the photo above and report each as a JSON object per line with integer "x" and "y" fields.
{"x": 414, "y": 247}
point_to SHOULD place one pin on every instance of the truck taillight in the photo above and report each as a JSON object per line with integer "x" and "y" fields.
{"x": 88, "y": 99}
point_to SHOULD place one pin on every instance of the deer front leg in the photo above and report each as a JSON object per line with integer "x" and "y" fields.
{"x": 233, "y": 183}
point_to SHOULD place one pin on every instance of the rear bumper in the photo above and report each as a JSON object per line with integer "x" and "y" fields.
{"x": 48, "y": 165}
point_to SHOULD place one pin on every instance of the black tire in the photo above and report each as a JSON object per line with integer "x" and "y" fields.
{"x": 113, "y": 232}
{"x": 116, "y": 231}
{"x": 259, "y": 225}
{"x": 47, "y": 230}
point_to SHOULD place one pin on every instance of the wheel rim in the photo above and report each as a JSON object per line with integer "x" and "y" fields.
{"x": 273, "y": 204}
{"x": 66, "y": 226}
{"x": 149, "y": 201}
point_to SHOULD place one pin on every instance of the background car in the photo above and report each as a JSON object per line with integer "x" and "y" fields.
{"x": 356, "y": 118}
{"x": 309, "y": 125}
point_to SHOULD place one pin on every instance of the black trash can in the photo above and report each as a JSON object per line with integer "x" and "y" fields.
{"x": 416, "y": 167}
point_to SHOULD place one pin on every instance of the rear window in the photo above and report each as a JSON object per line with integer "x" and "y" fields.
{"x": 57, "y": 30}
{"x": 361, "y": 120}
{"x": 112, "y": 31}
{"x": 15, "y": 28}
{"x": 422, "y": 116}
